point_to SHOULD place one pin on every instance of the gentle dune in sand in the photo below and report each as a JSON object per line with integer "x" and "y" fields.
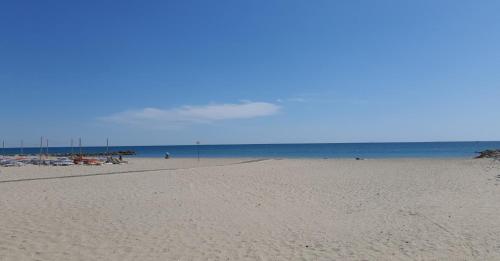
{"x": 244, "y": 209}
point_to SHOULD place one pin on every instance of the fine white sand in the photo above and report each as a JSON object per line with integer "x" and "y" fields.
{"x": 236, "y": 209}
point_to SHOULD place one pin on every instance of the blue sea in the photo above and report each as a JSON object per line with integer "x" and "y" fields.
{"x": 316, "y": 150}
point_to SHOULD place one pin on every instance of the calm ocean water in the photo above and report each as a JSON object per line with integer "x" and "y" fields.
{"x": 318, "y": 150}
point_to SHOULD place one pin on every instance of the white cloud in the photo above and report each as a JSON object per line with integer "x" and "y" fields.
{"x": 185, "y": 115}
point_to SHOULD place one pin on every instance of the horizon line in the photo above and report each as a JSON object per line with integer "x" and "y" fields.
{"x": 278, "y": 143}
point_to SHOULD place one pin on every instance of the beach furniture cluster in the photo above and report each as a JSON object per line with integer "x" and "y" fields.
{"x": 44, "y": 158}
{"x": 10, "y": 162}
{"x": 20, "y": 160}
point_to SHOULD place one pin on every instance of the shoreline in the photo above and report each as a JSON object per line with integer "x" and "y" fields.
{"x": 152, "y": 164}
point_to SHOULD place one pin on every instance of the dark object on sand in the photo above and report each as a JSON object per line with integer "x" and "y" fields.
{"x": 167, "y": 155}
{"x": 359, "y": 158}
{"x": 489, "y": 154}
{"x": 115, "y": 160}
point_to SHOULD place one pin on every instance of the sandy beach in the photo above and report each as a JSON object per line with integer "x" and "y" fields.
{"x": 250, "y": 209}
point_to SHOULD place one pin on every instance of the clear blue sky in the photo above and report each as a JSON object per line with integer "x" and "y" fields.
{"x": 173, "y": 72}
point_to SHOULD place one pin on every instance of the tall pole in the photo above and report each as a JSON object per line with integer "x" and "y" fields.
{"x": 41, "y": 151}
{"x": 71, "y": 147}
{"x": 107, "y": 146}
{"x": 47, "y": 147}
{"x": 198, "y": 149}
{"x": 80, "y": 145}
